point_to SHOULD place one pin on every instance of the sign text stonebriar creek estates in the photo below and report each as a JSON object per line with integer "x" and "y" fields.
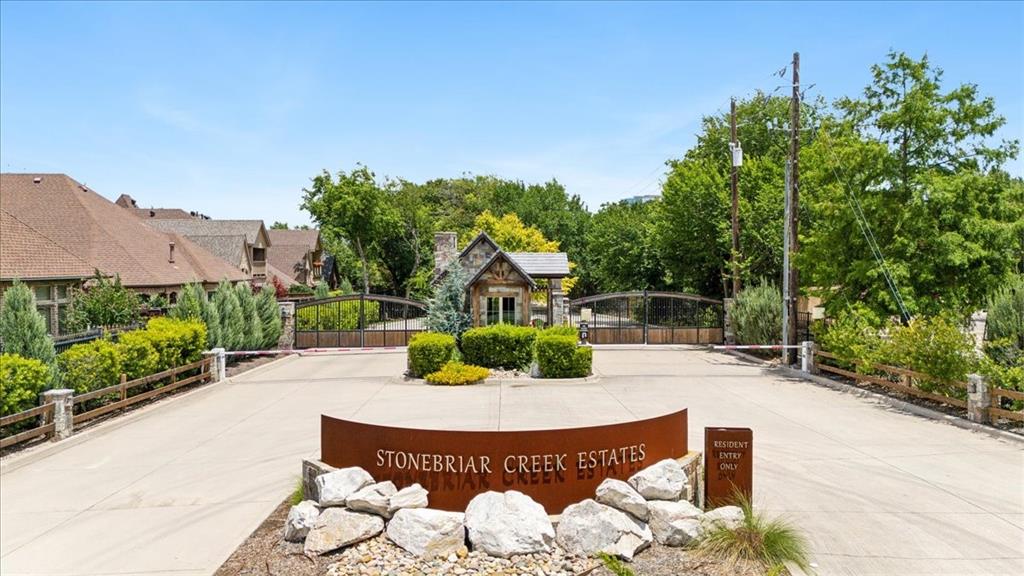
{"x": 555, "y": 467}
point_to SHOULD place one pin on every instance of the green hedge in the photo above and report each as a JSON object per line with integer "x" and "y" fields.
{"x": 341, "y": 315}
{"x": 178, "y": 342}
{"x": 458, "y": 374}
{"x": 138, "y": 356}
{"x": 429, "y": 351}
{"x": 90, "y": 366}
{"x": 23, "y": 379}
{"x": 559, "y": 356}
{"x": 499, "y": 346}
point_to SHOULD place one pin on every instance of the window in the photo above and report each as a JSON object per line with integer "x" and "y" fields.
{"x": 502, "y": 310}
{"x": 42, "y": 293}
{"x": 45, "y": 311}
{"x": 62, "y": 318}
{"x": 259, "y": 254}
{"x": 62, "y": 292}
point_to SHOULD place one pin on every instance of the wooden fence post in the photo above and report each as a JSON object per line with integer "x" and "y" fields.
{"x": 124, "y": 389}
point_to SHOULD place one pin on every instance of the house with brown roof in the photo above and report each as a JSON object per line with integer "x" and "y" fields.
{"x": 244, "y": 243}
{"x": 298, "y": 256}
{"x": 57, "y": 231}
{"x": 128, "y": 203}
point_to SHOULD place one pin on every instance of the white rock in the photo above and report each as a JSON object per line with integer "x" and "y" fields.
{"x": 414, "y": 496}
{"x": 664, "y": 480}
{"x": 620, "y": 495}
{"x": 301, "y": 519}
{"x": 428, "y": 533}
{"x": 373, "y": 498}
{"x": 503, "y": 524}
{"x": 730, "y": 517}
{"x": 674, "y": 523}
{"x": 335, "y": 487}
{"x": 588, "y": 528}
{"x": 337, "y": 527}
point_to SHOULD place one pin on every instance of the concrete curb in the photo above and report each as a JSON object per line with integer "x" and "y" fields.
{"x": 45, "y": 450}
{"x": 887, "y": 400}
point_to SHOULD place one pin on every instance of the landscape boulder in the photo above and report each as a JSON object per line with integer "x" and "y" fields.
{"x": 622, "y": 496}
{"x": 664, "y": 480}
{"x": 427, "y": 533}
{"x": 730, "y": 517}
{"x": 311, "y": 470}
{"x": 414, "y": 496}
{"x": 338, "y": 527}
{"x": 674, "y": 523}
{"x": 373, "y": 498}
{"x": 335, "y": 487}
{"x": 587, "y": 528}
{"x": 301, "y": 519}
{"x": 506, "y": 523}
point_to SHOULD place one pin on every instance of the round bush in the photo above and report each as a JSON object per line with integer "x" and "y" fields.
{"x": 23, "y": 379}
{"x": 757, "y": 315}
{"x": 458, "y": 374}
{"x": 429, "y": 352}
{"x": 90, "y": 366}
{"x": 499, "y": 346}
{"x": 138, "y": 356}
{"x": 559, "y": 356}
{"x": 178, "y": 342}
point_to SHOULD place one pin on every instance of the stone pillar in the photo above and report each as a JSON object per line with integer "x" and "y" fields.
{"x": 730, "y": 334}
{"x": 220, "y": 364}
{"x": 808, "y": 363}
{"x": 63, "y": 418}
{"x": 556, "y": 302}
{"x": 445, "y": 251}
{"x": 978, "y": 399}
{"x": 287, "y": 339}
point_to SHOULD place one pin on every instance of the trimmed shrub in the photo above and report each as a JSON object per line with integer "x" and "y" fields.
{"x": 178, "y": 342}
{"x": 559, "y": 356}
{"x": 270, "y": 316}
{"x": 22, "y": 327}
{"x": 757, "y": 314}
{"x": 299, "y": 290}
{"x": 90, "y": 366}
{"x": 23, "y": 379}
{"x": 321, "y": 290}
{"x": 429, "y": 352}
{"x": 138, "y": 356}
{"x": 560, "y": 331}
{"x": 935, "y": 346}
{"x": 458, "y": 374}
{"x": 499, "y": 346}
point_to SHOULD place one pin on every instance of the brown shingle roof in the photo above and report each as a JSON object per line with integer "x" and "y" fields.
{"x": 193, "y": 227}
{"x": 308, "y": 238}
{"x": 288, "y": 259}
{"x": 26, "y": 254}
{"x": 106, "y": 236}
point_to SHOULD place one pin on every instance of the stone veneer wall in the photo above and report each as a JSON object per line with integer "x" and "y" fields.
{"x": 287, "y": 339}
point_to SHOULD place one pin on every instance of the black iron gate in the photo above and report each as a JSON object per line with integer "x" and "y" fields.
{"x": 650, "y": 318}
{"x": 358, "y": 320}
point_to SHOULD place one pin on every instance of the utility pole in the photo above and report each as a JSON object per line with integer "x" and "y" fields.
{"x": 792, "y": 277}
{"x": 734, "y": 149}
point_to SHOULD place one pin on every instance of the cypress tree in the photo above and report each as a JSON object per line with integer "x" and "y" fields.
{"x": 446, "y": 311}
{"x": 270, "y": 316}
{"x": 254, "y": 329}
{"x": 232, "y": 321}
{"x": 189, "y": 306}
{"x": 22, "y": 327}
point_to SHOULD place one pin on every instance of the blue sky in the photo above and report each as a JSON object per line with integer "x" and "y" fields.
{"x": 230, "y": 109}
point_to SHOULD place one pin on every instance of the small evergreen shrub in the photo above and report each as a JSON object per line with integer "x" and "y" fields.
{"x": 499, "y": 346}
{"x": 253, "y": 339}
{"x": 270, "y": 317}
{"x": 429, "y": 352}
{"x": 90, "y": 366}
{"x": 22, "y": 327}
{"x": 446, "y": 311}
{"x": 138, "y": 356}
{"x": 177, "y": 342}
{"x": 561, "y": 331}
{"x": 232, "y": 322}
{"x": 322, "y": 290}
{"x": 23, "y": 380}
{"x": 299, "y": 290}
{"x": 458, "y": 374}
{"x": 190, "y": 303}
{"x": 757, "y": 314}
{"x": 560, "y": 356}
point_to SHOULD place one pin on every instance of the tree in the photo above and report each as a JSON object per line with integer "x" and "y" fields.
{"x": 103, "y": 303}
{"x": 446, "y": 311}
{"x": 22, "y": 327}
{"x": 406, "y": 238}
{"x": 353, "y": 207}
{"x": 190, "y": 303}
{"x": 270, "y": 317}
{"x": 232, "y": 324}
{"x": 321, "y": 290}
{"x": 253, "y": 339}
{"x": 621, "y": 254}
{"x": 511, "y": 234}
{"x": 277, "y": 225}
{"x": 920, "y": 166}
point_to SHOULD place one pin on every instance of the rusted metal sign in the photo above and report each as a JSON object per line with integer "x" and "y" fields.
{"x": 555, "y": 467}
{"x": 728, "y": 464}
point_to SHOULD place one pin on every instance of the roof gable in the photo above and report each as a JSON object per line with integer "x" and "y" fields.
{"x": 481, "y": 237}
{"x": 251, "y": 229}
{"x": 500, "y": 256}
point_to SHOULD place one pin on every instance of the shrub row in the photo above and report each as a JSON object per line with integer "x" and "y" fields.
{"x": 559, "y": 356}
{"x": 164, "y": 343}
{"x": 23, "y": 379}
{"x": 499, "y": 346}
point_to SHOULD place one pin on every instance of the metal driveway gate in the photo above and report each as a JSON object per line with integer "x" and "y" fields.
{"x": 651, "y": 318}
{"x": 358, "y": 320}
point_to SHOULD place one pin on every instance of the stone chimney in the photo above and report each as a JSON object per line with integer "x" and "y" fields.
{"x": 444, "y": 251}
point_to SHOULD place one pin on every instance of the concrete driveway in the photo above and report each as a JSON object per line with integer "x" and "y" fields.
{"x": 175, "y": 488}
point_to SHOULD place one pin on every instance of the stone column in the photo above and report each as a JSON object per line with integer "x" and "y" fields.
{"x": 445, "y": 251}
{"x": 287, "y": 339}
{"x": 730, "y": 335}
{"x": 808, "y": 363}
{"x": 978, "y": 399}
{"x": 556, "y": 302}
{"x": 220, "y": 364}
{"x": 63, "y": 403}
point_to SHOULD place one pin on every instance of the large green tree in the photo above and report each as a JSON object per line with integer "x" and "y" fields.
{"x": 22, "y": 327}
{"x": 915, "y": 168}
{"x": 621, "y": 254}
